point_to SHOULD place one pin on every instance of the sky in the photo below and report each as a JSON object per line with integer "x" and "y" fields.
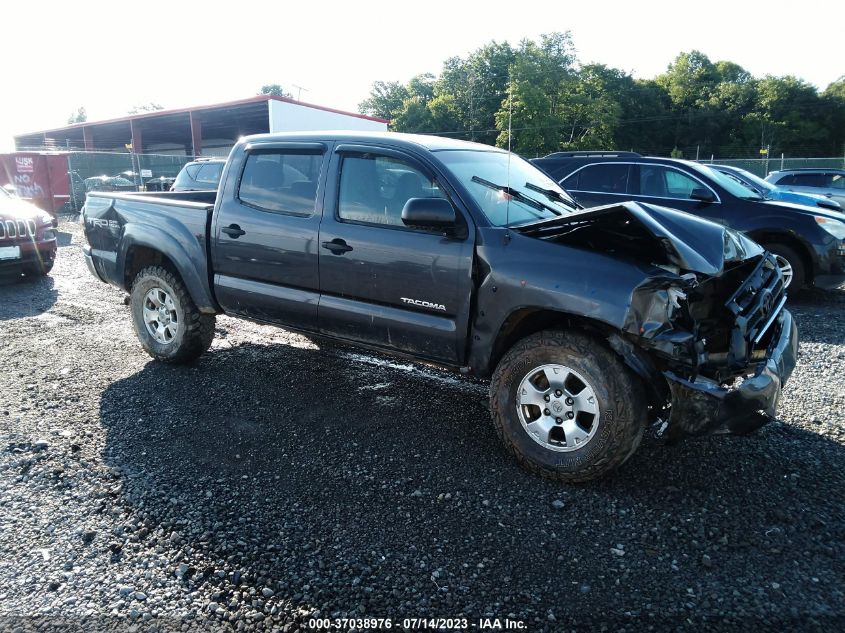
{"x": 111, "y": 56}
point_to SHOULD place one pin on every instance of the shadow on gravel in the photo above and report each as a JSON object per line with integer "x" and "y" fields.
{"x": 814, "y": 309}
{"x": 343, "y": 484}
{"x": 25, "y": 296}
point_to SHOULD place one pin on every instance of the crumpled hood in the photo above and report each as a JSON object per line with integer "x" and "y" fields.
{"x": 651, "y": 234}
{"x": 17, "y": 209}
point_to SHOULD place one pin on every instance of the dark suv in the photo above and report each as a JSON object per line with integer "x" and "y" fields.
{"x": 808, "y": 242}
{"x": 27, "y": 238}
{"x": 200, "y": 175}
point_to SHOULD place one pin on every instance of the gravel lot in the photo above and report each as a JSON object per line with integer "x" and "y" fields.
{"x": 272, "y": 482}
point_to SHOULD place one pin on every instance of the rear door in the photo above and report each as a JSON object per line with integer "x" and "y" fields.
{"x": 265, "y": 234}
{"x": 599, "y": 183}
{"x": 383, "y": 283}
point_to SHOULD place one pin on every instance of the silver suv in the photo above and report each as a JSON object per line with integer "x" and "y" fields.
{"x": 827, "y": 182}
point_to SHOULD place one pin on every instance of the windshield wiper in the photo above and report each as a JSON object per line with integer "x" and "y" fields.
{"x": 518, "y": 195}
{"x": 551, "y": 194}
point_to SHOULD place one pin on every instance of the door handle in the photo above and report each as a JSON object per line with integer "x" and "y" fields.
{"x": 337, "y": 246}
{"x": 233, "y": 230}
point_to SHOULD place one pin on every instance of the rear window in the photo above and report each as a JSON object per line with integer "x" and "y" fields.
{"x": 281, "y": 181}
{"x": 803, "y": 180}
{"x": 209, "y": 173}
{"x": 186, "y": 177}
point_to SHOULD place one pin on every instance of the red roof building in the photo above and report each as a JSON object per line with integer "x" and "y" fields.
{"x": 208, "y": 130}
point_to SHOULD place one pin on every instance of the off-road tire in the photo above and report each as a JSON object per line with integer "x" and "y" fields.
{"x": 621, "y": 403}
{"x": 195, "y": 331}
{"x": 799, "y": 275}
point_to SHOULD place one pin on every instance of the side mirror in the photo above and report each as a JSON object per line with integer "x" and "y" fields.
{"x": 429, "y": 213}
{"x": 703, "y": 194}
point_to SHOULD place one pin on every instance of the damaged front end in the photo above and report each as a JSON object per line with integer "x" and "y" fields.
{"x": 707, "y": 330}
{"x": 745, "y": 350}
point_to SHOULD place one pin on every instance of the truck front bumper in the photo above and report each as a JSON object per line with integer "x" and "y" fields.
{"x": 702, "y": 406}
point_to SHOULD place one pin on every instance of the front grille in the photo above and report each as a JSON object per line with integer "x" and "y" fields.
{"x": 17, "y": 229}
{"x": 757, "y": 302}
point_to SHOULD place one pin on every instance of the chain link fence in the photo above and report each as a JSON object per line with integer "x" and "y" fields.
{"x": 104, "y": 171}
{"x": 763, "y": 166}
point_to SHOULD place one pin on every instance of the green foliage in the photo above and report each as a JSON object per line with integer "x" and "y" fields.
{"x": 274, "y": 89}
{"x": 80, "y": 116}
{"x": 536, "y": 98}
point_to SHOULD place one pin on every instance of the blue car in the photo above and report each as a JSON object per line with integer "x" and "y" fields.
{"x": 773, "y": 192}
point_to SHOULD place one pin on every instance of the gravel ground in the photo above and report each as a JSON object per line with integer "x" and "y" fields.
{"x": 272, "y": 482}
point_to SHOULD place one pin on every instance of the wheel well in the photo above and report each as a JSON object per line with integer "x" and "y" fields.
{"x": 793, "y": 243}
{"x": 527, "y": 321}
{"x": 138, "y": 258}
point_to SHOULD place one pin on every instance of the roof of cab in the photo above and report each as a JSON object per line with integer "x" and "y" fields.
{"x": 395, "y": 139}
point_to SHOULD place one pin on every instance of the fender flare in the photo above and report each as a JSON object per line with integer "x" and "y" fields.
{"x": 184, "y": 252}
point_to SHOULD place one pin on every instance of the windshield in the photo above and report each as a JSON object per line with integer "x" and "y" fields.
{"x": 748, "y": 177}
{"x": 507, "y": 195}
{"x": 733, "y": 187}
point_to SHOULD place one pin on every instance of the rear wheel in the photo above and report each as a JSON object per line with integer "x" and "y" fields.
{"x": 167, "y": 322}
{"x": 790, "y": 264}
{"x": 566, "y": 407}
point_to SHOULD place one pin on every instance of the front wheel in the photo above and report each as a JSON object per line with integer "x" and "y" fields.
{"x": 791, "y": 266}
{"x": 167, "y": 322}
{"x": 566, "y": 406}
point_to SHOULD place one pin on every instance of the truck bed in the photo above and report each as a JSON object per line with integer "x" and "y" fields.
{"x": 119, "y": 223}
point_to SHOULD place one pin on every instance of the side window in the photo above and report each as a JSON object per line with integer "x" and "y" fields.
{"x": 571, "y": 182}
{"x": 606, "y": 178}
{"x": 281, "y": 181}
{"x": 192, "y": 170}
{"x": 678, "y": 185}
{"x": 374, "y": 189}
{"x": 662, "y": 182}
{"x": 808, "y": 180}
{"x": 837, "y": 181}
{"x": 209, "y": 173}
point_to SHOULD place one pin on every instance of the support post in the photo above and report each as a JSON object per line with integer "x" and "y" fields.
{"x": 196, "y": 134}
{"x": 88, "y": 139}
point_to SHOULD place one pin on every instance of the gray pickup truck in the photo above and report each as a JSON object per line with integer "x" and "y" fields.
{"x": 592, "y": 323}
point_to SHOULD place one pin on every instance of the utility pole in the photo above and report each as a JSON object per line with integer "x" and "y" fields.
{"x": 299, "y": 91}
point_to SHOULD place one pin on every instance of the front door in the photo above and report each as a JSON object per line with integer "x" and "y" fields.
{"x": 670, "y": 187}
{"x": 383, "y": 283}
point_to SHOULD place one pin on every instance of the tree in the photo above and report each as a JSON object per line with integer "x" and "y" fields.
{"x": 146, "y": 107}
{"x": 80, "y": 116}
{"x": 274, "y": 89}
{"x": 541, "y": 108}
{"x": 834, "y": 99}
{"x": 539, "y": 92}
{"x": 385, "y": 100}
{"x": 788, "y": 117}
